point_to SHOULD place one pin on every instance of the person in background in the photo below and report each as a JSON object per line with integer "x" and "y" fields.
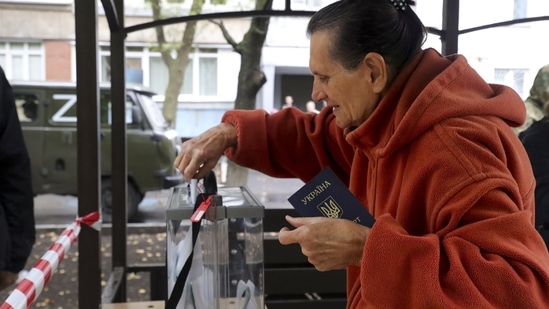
{"x": 311, "y": 107}
{"x": 424, "y": 143}
{"x": 539, "y": 96}
{"x": 288, "y": 101}
{"x": 536, "y": 142}
{"x": 17, "y": 227}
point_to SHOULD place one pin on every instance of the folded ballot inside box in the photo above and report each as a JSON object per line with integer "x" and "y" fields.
{"x": 214, "y": 249}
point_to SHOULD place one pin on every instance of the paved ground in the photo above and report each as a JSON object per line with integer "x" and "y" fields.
{"x": 62, "y": 290}
{"x": 54, "y": 213}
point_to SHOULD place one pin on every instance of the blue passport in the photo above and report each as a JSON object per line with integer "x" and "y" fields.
{"x": 326, "y": 196}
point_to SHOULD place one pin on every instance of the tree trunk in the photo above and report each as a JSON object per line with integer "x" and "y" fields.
{"x": 251, "y": 78}
{"x": 176, "y": 66}
{"x": 175, "y": 81}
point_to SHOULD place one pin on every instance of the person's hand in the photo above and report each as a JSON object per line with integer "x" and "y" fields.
{"x": 327, "y": 243}
{"x": 199, "y": 155}
{"x": 7, "y": 278}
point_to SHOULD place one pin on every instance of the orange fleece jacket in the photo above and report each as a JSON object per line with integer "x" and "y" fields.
{"x": 447, "y": 180}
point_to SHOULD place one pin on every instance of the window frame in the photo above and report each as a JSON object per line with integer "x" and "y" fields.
{"x": 145, "y": 54}
{"x": 8, "y": 53}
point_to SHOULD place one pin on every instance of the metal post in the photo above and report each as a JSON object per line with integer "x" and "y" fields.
{"x": 119, "y": 151}
{"x": 87, "y": 91}
{"x": 450, "y": 27}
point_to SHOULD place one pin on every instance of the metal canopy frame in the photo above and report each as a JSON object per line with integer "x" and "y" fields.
{"x": 88, "y": 134}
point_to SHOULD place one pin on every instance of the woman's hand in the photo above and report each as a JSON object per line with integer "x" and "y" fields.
{"x": 199, "y": 155}
{"x": 327, "y": 243}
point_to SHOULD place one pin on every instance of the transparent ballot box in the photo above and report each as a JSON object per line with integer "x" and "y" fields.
{"x": 224, "y": 267}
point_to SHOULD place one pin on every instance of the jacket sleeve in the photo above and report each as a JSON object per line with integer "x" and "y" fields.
{"x": 16, "y": 197}
{"x": 289, "y": 143}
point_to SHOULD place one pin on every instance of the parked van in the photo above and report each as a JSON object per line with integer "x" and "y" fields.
{"x": 47, "y": 112}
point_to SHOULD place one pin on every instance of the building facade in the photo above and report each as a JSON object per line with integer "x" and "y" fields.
{"x": 37, "y": 43}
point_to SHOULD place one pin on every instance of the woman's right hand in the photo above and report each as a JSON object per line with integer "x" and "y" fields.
{"x": 199, "y": 155}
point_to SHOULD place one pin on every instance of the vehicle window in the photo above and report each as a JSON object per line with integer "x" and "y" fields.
{"x": 27, "y": 107}
{"x": 106, "y": 109}
{"x": 153, "y": 111}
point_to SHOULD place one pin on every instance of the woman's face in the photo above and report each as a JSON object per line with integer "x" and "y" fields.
{"x": 353, "y": 95}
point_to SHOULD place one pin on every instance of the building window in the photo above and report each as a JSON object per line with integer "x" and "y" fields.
{"x": 45, "y": 2}
{"x": 306, "y": 4}
{"x": 200, "y": 75}
{"x": 207, "y": 75}
{"x": 513, "y": 78}
{"x": 148, "y": 68}
{"x": 520, "y": 9}
{"x": 22, "y": 61}
{"x": 159, "y": 76}
{"x": 134, "y": 66}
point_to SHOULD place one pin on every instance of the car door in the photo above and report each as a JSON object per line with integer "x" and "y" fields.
{"x": 60, "y": 144}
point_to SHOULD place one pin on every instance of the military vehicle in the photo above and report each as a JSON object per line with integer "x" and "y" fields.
{"x": 47, "y": 112}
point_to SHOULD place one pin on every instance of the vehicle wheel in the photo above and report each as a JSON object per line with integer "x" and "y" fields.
{"x": 134, "y": 198}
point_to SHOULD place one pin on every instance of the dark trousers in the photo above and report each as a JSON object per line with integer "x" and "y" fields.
{"x": 545, "y": 235}
{"x": 5, "y": 240}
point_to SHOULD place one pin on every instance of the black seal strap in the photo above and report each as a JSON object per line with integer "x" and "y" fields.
{"x": 210, "y": 188}
{"x": 177, "y": 291}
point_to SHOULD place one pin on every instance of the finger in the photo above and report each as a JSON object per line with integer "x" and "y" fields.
{"x": 181, "y": 159}
{"x": 189, "y": 166}
{"x": 187, "y": 169}
{"x": 292, "y": 221}
{"x": 297, "y": 222}
{"x": 201, "y": 173}
{"x": 195, "y": 169}
{"x": 177, "y": 160}
{"x": 209, "y": 165}
{"x": 182, "y": 164}
{"x": 286, "y": 236}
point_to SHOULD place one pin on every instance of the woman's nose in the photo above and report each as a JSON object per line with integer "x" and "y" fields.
{"x": 317, "y": 94}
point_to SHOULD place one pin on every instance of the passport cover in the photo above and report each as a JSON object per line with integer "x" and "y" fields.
{"x": 326, "y": 195}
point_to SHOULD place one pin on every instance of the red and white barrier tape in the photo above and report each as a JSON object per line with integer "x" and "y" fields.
{"x": 28, "y": 290}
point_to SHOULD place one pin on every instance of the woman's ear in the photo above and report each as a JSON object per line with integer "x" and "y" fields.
{"x": 377, "y": 67}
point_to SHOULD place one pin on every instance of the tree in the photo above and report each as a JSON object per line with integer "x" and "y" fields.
{"x": 176, "y": 65}
{"x": 250, "y": 77}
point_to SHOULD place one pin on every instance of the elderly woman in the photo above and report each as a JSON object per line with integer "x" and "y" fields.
{"x": 426, "y": 146}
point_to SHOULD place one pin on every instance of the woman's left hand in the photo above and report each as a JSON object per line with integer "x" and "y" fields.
{"x": 327, "y": 243}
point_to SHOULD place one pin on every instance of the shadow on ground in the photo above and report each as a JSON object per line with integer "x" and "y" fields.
{"x": 62, "y": 290}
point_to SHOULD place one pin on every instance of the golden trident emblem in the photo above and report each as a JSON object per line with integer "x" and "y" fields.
{"x": 329, "y": 208}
